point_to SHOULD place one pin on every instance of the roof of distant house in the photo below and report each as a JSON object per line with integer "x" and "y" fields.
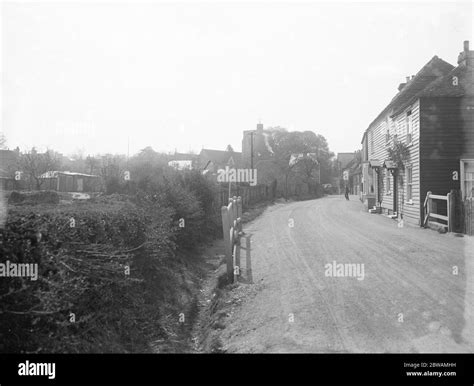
{"x": 221, "y": 156}
{"x": 344, "y": 159}
{"x": 55, "y": 173}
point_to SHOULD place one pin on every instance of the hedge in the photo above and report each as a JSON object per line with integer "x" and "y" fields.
{"x": 82, "y": 265}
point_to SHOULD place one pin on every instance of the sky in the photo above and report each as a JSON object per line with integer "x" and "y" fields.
{"x": 116, "y": 77}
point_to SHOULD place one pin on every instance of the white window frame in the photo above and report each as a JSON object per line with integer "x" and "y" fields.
{"x": 409, "y": 127}
{"x": 409, "y": 173}
{"x": 463, "y": 179}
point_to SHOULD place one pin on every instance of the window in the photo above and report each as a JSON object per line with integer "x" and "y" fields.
{"x": 467, "y": 178}
{"x": 409, "y": 184}
{"x": 409, "y": 124}
{"x": 387, "y": 183}
{"x": 387, "y": 131}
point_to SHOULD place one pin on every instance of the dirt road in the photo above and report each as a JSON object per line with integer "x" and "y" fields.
{"x": 410, "y": 297}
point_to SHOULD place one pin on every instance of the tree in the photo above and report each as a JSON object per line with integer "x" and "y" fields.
{"x": 3, "y": 141}
{"x": 285, "y": 144}
{"x": 229, "y": 149}
{"x": 92, "y": 164}
{"x": 35, "y": 164}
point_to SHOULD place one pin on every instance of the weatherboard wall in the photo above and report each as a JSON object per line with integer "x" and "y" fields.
{"x": 447, "y": 136}
{"x": 410, "y": 209}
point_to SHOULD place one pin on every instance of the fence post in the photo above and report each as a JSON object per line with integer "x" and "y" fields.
{"x": 227, "y": 243}
{"x": 237, "y": 258}
{"x": 429, "y": 206}
{"x": 248, "y": 262}
{"x": 449, "y": 211}
{"x": 239, "y": 213}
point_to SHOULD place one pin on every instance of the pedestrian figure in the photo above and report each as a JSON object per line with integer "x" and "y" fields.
{"x": 347, "y": 193}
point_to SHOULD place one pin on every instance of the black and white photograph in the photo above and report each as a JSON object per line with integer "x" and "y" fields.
{"x": 237, "y": 177}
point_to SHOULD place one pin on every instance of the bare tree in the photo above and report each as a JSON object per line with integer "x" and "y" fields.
{"x": 35, "y": 164}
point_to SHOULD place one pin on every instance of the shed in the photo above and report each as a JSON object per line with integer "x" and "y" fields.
{"x": 64, "y": 181}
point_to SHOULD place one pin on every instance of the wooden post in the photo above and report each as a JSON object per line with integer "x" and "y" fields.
{"x": 237, "y": 257}
{"x": 227, "y": 243}
{"x": 429, "y": 206}
{"x": 234, "y": 207}
{"x": 248, "y": 262}
{"x": 451, "y": 205}
{"x": 239, "y": 213}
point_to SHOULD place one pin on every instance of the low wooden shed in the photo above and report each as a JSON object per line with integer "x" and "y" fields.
{"x": 70, "y": 182}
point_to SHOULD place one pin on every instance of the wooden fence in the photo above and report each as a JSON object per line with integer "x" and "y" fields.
{"x": 232, "y": 231}
{"x": 455, "y": 213}
{"x": 249, "y": 194}
{"x": 432, "y": 211}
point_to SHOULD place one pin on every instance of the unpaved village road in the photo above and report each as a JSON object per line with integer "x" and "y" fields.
{"x": 408, "y": 301}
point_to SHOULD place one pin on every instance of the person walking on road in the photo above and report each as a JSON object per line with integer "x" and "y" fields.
{"x": 346, "y": 194}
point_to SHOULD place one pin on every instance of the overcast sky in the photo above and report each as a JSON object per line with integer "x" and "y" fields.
{"x": 191, "y": 75}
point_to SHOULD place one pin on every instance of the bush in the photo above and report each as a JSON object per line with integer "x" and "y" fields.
{"x": 81, "y": 270}
{"x": 34, "y": 198}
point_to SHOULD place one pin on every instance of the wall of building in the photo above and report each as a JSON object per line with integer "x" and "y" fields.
{"x": 447, "y": 136}
{"x": 410, "y": 210}
{"x": 377, "y": 149}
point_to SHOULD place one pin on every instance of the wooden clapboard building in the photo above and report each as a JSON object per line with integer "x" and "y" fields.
{"x": 432, "y": 115}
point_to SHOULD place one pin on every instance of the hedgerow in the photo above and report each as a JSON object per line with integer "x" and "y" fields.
{"x": 84, "y": 300}
{"x": 82, "y": 276}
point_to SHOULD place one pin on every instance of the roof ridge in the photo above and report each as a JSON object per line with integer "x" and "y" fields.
{"x": 433, "y": 62}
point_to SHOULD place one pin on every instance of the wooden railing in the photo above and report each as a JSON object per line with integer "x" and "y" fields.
{"x": 429, "y": 210}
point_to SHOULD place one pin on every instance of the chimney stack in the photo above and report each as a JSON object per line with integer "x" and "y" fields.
{"x": 466, "y": 57}
{"x": 408, "y": 79}
{"x": 259, "y": 127}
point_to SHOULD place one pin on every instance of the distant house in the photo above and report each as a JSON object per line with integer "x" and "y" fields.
{"x": 352, "y": 175}
{"x": 63, "y": 181}
{"x": 8, "y": 166}
{"x": 343, "y": 159}
{"x": 210, "y": 161}
{"x": 433, "y": 116}
{"x": 183, "y": 161}
{"x": 345, "y": 163}
{"x": 255, "y": 146}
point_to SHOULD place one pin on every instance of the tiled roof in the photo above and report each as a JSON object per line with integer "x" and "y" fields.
{"x": 345, "y": 159}
{"x": 447, "y": 86}
{"x": 221, "y": 157}
{"x": 432, "y": 70}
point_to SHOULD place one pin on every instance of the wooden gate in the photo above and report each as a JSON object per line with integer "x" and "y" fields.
{"x": 430, "y": 210}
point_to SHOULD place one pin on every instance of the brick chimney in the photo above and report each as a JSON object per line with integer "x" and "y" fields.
{"x": 466, "y": 57}
{"x": 401, "y": 85}
{"x": 259, "y": 127}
